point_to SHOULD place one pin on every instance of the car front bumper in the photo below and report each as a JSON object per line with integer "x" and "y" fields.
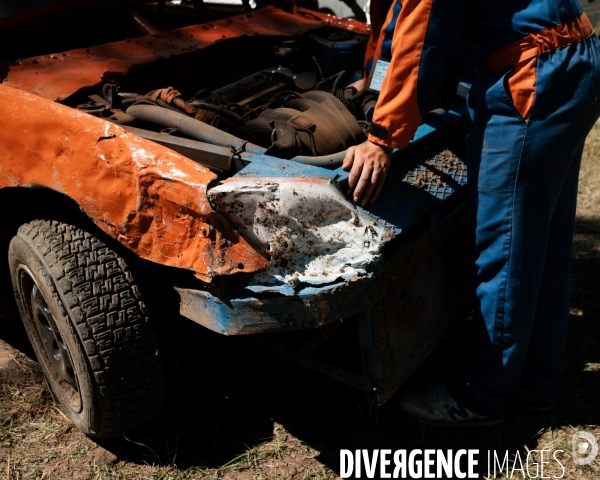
{"x": 402, "y": 302}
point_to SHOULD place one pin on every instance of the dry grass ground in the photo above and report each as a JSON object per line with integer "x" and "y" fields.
{"x": 235, "y": 412}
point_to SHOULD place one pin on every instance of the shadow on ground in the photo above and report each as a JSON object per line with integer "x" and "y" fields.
{"x": 225, "y": 395}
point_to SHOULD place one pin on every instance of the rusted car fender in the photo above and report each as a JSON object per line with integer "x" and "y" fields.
{"x": 148, "y": 197}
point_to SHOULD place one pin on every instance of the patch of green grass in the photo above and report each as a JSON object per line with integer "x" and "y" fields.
{"x": 248, "y": 459}
{"x": 318, "y": 473}
{"x": 81, "y": 451}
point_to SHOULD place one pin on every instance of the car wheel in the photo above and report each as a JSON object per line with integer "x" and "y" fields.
{"x": 88, "y": 326}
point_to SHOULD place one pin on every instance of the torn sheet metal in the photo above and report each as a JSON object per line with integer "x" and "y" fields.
{"x": 250, "y": 312}
{"x": 311, "y": 232}
{"x": 406, "y": 280}
{"x": 405, "y": 205}
{"x": 148, "y": 197}
{"x": 59, "y": 76}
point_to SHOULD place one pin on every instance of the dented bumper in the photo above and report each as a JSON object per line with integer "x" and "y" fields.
{"x": 395, "y": 280}
{"x": 329, "y": 259}
{"x": 323, "y": 250}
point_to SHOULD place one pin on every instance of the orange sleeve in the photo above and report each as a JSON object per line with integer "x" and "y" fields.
{"x": 426, "y": 34}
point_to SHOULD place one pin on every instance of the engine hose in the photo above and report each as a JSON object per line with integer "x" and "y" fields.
{"x": 337, "y": 81}
{"x": 203, "y": 132}
{"x": 325, "y": 161}
{"x": 218, "y": 109}
{"x": 186, "y": 125}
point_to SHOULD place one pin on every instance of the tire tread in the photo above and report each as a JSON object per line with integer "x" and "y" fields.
{"x": 108, "y": 312}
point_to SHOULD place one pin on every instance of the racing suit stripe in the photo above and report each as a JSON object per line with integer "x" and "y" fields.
{"x": 382, "y": 37}
{"x": 378, "y": 11}
{"x": 521, "y": 86}
{"x": 523, "y": 55}
{"x": 426, "y": 34}
{"x": 558, "y": 36}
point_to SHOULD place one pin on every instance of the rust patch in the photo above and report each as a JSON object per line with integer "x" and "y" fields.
{"x": 425, "y": 178}
{"x": 57, "y": 77}
{"x": 449, "y": 162}
{"x": 148, "y": 197}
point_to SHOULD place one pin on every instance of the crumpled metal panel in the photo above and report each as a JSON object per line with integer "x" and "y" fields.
{"x": 405, "y": 205}
{"x": 312, "y": 233}
{"x": 148, "y": 197}
{"x": 59, "y": 76}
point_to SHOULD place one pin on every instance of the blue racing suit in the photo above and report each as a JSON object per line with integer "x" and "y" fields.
{"x": 532, "y": 108}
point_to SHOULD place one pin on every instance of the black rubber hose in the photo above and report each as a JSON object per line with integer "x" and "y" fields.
{"x": 337, "y": 81}
{"x": 203, "y": 132}
{"x": 357, "y": 96}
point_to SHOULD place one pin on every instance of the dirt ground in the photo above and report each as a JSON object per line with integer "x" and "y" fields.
{"x": 236, "y": 412}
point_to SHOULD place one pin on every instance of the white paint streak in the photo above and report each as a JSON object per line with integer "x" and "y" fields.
{"x": 176, "y": 173}
{"x": 141, "y": 156}
{"x": 314, "y": 235}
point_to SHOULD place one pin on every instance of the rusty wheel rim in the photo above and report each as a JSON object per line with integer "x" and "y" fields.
{"x": 53, "y": 350}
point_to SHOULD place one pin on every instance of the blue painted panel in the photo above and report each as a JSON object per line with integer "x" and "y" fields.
{"x": 416, "y": 186}
{"x": 266, "y": 166}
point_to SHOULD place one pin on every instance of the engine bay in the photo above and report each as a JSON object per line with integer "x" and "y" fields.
{"x": 287, "y": 97}
{"x": 290, "y": 100}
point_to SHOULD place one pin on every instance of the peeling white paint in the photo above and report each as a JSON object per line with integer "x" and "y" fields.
{"x": 312, "y": 233}
{"x": 108, "y": 130}
{"x": 176, "y": 173}
{"x": 141, "y": 156}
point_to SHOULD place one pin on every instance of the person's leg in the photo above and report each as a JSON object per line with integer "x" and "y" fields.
{"x": 511, "y": 230}
{"x": 545, "y": 355}
{"x": 495, "y": 149}
{"x": 524, "y": 301}
{"x": 522, "y": 189}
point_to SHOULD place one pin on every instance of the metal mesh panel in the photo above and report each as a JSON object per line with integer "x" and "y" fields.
{"x": 440, "y": 175}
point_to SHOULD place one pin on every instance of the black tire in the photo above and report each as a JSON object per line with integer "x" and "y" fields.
{"x": 88, "y": 325}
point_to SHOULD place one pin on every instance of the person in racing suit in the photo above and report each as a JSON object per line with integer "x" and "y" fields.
{"x": 537, "y": 97}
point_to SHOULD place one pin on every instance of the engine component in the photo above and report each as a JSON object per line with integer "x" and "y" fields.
{"x": 286, "y": 51}
{"x": 250, "y": 90}
{"x": 209, "y": 114}
{"x": 285, "y": 123}
{"x": 312, "y": 123}
{"x": 274, "y": 111}
{"x": 302, "y": 81}
{"x": 172, "y": 97}
{"x": 206, "y": 133}
{"x": 338, "y": 50}
{"x": 187, "y": 126}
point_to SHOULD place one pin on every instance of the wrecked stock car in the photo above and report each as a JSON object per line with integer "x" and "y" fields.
{"x": 206, "y": 142}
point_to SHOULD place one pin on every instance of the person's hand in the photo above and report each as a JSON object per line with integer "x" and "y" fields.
{"x": 368, "y": 164}
{"x": 360, "y": 85}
